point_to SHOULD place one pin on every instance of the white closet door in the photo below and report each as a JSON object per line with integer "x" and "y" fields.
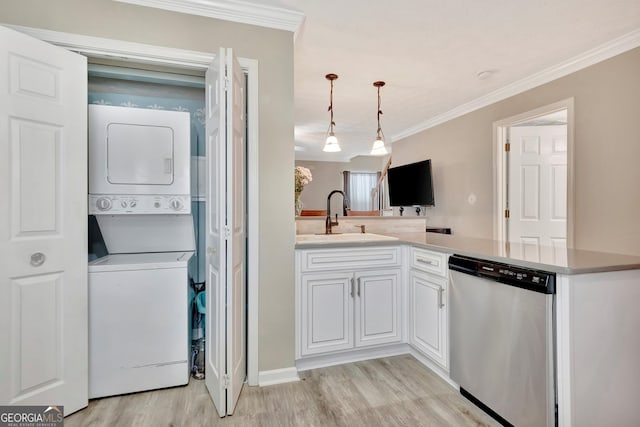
{"x": 226, "y": 232}
{"x": 43, "y": 231}
{"x": 236, "y": 245}
{"x": 215, "y": 234}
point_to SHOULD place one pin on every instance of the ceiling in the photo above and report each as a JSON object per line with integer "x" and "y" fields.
{"x": 429, "y": 53}
{"x": 440, "y": 59}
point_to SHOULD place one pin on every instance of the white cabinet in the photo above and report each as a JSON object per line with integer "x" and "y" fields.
{"x": 348, "y": 298}
{"x": 428, "y": 326}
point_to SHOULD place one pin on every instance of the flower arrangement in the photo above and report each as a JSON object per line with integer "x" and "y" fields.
{"x": 302, "y": 178}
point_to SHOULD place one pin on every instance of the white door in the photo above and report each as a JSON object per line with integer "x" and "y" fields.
{"x": 226, "y": 233}
{"x": 236, "y": 223}
{"x": 43, "y": 232}
{"x": 377, "y": 308}
{"x": 537, "y": 191}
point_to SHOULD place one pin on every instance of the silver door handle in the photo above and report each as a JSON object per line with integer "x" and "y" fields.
{"x": 37, "y": 259}
{"x": 359, "y": 286}
{"x": 426, "y": 261}
{"x": 352, "y": 286}
{"x": 440, "y": 299}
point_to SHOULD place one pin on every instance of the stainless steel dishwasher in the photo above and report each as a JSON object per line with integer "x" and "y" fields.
{"x": 502, "y": 339}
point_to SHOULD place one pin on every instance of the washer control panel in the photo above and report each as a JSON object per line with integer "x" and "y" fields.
{"x": 138, "y": 204}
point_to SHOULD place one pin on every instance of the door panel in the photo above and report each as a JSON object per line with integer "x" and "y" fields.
{"x": 226, "y": 231}
{"x": 327, "y": 312}
{"x": 236, "y": 214}
{"x": 43, "y": 256}
{"x": 215, "y": 222}
{"x": 537, "y": 187}
{"x": 377, "y": 319}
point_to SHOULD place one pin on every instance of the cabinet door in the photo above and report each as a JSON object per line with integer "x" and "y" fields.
{"x": 428, "y": 325}
{"x": 327, "y": 312}
{"x": 377, "y": 313}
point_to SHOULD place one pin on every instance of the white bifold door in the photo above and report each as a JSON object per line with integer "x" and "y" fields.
{"x": 226, "y": 233}
{"x": 43, "y": 224}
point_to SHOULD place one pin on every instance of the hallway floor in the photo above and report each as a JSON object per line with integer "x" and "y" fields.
{"x": 394, "y": 391}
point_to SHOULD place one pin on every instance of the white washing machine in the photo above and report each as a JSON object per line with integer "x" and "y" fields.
{"x": 139, "y": 191}
{"x": 138, "y": 333}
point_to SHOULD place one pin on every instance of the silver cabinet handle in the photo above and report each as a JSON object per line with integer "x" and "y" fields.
{"x": 359, "y": 278}
{"x": 440, "y": 299}
{"x": 426, "y": 261}
{"x": 37, "y": 259}
{"x": 352, "y": 286}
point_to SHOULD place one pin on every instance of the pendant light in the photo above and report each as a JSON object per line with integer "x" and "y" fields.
{"x": 378, "y": 148}
{"x": 331, "y": 145}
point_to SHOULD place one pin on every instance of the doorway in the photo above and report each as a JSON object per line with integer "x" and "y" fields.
{"x": 534, "y": 180}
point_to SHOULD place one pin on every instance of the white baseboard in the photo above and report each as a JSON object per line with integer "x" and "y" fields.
{"x": 278, "y": 376}
{"x": 314, "y": 362}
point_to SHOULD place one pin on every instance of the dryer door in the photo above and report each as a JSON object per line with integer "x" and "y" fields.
{"x": 139, "y": 154}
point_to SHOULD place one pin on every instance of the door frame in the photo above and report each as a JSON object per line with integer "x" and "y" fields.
{"x": 188, "y": 59}
{"x": 500, "y": 179}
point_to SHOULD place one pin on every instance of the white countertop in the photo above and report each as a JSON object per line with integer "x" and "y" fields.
{"x": 564, "y": 261}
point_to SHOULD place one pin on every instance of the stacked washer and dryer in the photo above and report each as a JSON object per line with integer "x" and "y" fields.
{"x": 139, "y": 192}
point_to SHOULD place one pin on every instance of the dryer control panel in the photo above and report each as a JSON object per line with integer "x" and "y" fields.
{"x": 109, "y": 204}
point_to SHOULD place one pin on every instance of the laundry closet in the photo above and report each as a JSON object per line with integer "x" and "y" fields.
{"x": 63, "y": 283}
{"x": 146, "y": 206}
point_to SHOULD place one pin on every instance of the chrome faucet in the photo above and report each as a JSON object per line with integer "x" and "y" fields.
{"x": 329, "y": 222}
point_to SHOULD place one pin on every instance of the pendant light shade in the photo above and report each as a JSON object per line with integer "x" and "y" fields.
{"x": 378, "y": 148}
{"x": 331, "y": 144}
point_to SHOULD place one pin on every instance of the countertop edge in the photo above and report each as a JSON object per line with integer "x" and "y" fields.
{"x": 444, "y": 248}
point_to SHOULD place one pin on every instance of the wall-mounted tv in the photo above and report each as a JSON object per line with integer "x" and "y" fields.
{"x": 411, "y": 185}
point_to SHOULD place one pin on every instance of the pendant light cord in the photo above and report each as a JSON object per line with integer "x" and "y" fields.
{"x": 331, "y": 123}
{"x": 378, "y": 85}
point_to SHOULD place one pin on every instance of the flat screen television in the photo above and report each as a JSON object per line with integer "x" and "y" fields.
{"x": 411, "y": 185}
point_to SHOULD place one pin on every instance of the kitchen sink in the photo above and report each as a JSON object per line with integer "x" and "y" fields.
{"x": 341, "y": 237}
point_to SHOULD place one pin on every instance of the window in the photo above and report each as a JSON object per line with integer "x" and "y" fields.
{"x": 358, "y": 187}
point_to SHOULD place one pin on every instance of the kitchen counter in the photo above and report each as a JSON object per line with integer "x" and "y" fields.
{"x": 563, "y": 261}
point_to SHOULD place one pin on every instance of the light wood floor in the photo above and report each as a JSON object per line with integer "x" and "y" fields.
{"x": 395, "y": 391}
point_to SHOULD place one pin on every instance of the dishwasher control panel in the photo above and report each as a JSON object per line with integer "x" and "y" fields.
{"x": 527, "y": 278}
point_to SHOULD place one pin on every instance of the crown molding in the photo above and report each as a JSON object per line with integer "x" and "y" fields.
{"x": 598, "y": 54}
{"x": 231, "y": 10}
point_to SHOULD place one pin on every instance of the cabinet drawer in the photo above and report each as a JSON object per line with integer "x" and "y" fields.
{"x": 349, "y": 258}
{"x": 429, "y": 261}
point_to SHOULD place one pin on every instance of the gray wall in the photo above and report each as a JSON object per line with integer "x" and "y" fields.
{"x": 607, "y": 151}
{"x": 274, "y": 51}
{"x": 327, "y": 176}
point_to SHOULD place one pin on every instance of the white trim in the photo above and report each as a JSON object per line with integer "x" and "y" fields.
{"x": 278, "y": 376}
{"x": 122, "y": 50}
{"x": 365, "y": 353}
{"x": 563, "y": 349}
{"x": 499, "y": 137}
{"x": 96, "y": 46}
{"x": 253, "y": 209}
{"x": 586, "y": 59}
{"x": 231, "y": 10}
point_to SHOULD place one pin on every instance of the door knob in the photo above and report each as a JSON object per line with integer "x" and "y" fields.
{"x": 37, "y": 259}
